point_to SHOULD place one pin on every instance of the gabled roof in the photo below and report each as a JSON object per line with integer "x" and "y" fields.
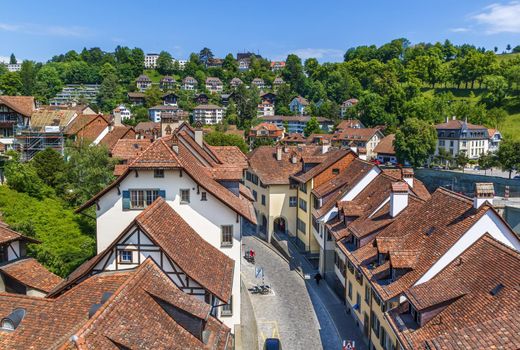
{"x": 31, "y": 273}
{"x": 117, "y": 133}
{"x": 7, "y": 235}
{"x": 127, "y": 149}
{"x": 356, "y": 134}
{"x": 149, "y": 312}
{"x": 386, "y": 145}
{"x": 430, "y": 232}
{"x": 486, "y": 274}
{"x": 202, "y": 262}
{"x": 331, "y": 157}
{"x": 144, "y": 296}
{"x": 454, "y": 124}
{"x": 84, "y": 121}
{"x": 46, "y": 117}
{"x": 301, "y": 100}
{"x": 24, "y": 105}
{"x": 161, "y": 155}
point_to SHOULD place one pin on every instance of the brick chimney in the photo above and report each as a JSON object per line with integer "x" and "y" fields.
{"x": 408, "y": 176}
{"x": 398, "y": 198}
{"x": 199, "y": 134}
{"x": 484, "y": 191}
{"x": 117, "y": 117}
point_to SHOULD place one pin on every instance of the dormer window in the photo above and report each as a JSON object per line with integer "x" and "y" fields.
{"x": 13, "y": 320}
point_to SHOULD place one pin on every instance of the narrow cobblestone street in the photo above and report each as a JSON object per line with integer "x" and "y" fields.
{"x": 301, "y": 314}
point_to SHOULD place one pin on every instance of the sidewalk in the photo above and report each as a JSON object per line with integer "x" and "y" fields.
{"x": 327, "y": 304}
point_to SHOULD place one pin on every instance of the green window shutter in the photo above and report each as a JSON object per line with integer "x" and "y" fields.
{"x": 126, "y": 200}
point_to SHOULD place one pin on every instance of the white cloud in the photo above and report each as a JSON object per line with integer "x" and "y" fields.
{"x": 459, "y": 30}
{"x": 500, "y": 18}
{"x": 36, "y": 29}
{"x": 4, "y": 59}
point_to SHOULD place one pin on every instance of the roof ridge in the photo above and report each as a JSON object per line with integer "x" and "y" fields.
{"x": 454, "y": 194}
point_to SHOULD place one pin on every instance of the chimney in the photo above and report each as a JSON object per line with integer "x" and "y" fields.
{"x": 408, "y": 176}
{"x": 325, "y": 145}
{"x": 175, "y": 143}
{"x": 117, "y": 117}
{"x": 294, "y": 158}
{"x": 398, "y": 198}
{"x": 484, "y": 191}
{"x": 199, "y": 134}
{"x": 447, "y": 119}
{"x": 278, "y": 153}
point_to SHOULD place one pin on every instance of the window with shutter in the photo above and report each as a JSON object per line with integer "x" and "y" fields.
{"x": 126, "y": 200}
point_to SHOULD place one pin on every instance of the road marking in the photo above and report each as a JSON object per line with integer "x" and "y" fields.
{"x": 272, "y": 326}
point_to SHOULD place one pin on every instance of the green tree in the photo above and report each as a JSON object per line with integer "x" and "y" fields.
{"x": 48, "y": 83}
{"x": 497, "y": 89}
{"x": 89, "y": 170}
{"x": 165, "y": 63}
{"x": 49, "y": 166}
{"x": 205, "y": 55}
{"x": 486, "y": 161}
{"x": 461, "y": 159}
{"x": 153, "y": 96}
{"x": 508, "y": 155}
{"x": 312, "y": 127}
{"x": 28, "y": 73}
{"x": 12, "y": 59}
{"x": 22, "y": 177}
{"x": 415, "y": 142}
{"x": 109, "y": 93}
{"x": 11, "y": 84}
{"x": 217, "y": 138}
{"x": 293, "y": 73}
{"x": 67, "y": 240}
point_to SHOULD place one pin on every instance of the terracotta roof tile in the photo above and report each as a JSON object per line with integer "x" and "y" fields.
{"x": 24, "y": 105}
{"x": 386, "y": 145}
{"x": 117, "y": 133}
{"x": 31, "y": 273}
{"x": 127, "y": 149}
{"x": 331, "y": 157}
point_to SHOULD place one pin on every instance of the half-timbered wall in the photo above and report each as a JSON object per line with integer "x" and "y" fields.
{"x": 141, "y": 247}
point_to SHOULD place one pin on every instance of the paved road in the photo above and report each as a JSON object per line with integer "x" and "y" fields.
{"x": 288, "y": 313}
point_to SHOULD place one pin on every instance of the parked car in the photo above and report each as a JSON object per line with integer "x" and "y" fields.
{"x": 272, "y": 344}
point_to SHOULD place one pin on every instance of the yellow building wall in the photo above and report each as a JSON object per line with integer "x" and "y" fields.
{"x": 307, "y": 238}
{"x": 357, "y": 288}
{"x": 384, "y": 324}
{"x": 278, "y": 202}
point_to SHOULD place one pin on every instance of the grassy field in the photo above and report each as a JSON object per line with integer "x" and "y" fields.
{"x": 155, "y": 77}
{"x": 511, "y": 127}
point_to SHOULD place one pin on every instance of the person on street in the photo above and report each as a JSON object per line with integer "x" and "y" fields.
{"x": 318, "y": 278}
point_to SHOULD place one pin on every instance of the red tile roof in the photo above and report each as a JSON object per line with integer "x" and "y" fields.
{"x": 469, "y": 281}
{"x": 117, "y": 133}
{"x": 149, "y": 312}
{"x": 386, "y": 145}
{"x": 127, "y": 149}
{"x": 24, "y": 105}
{"x": 31, "y": 273}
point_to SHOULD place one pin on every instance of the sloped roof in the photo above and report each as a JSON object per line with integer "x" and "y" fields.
{"x": 45, "y": 117}
{"x": 142, "y": 315}
{"x": 24, "y": 105}
{"x": 454, "y": 124}
{"x": 386, "y": 145}
{"x": 7, "y": 235}
{"x": 31, "y": 273}
{"x": 331, "y": 157}
{"x": 129, "y": 148}
{"x": 470, "y": 280}
{"x": 117, "y": 133}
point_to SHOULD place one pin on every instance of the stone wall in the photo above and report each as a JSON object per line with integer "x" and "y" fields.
{"x": 465, "y": 183}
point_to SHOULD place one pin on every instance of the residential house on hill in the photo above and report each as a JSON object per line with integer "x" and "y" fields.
{"x": 214, "y": 84}
{"x": 266, "y": 131}
{"x": 201, "y": 184}
{"x": 201, "y": 99}
{"x": 208, "y": 114}
{"x": 349, "y": 124}
{"x": 170, "y": 99}
{"x": 259, "y": 83}
{"x": 143, "y": 83}
{"x": 124, "y": 112}
{"x": 357, "y": 138}
{"x": 189, "y": 83}
{"x": 278, "y": 81}
{"x": 296, "y": 124}
{"x": 15, "y": 112}
{"x": 235, "y": 82}
{"x": 148, "y": 130}
{"x": 277, "y": 65}
{"x": 298, "y": 105}
{"x": 88, "y": 128}
{"x": 136, "y": 98}
{"x": 294, "y": 139}
{"x": 167, "y": 83}
{"x": 150, "y": 60}
{"x": 495, "y": 137}
{"x": 155, "y": 112}
{"x": 457, "y": 136}
{"x": 351, "y": 102}
{"x": 385, "y": 151}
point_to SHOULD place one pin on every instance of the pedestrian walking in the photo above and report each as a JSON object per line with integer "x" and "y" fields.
{"x": 318, "y": 278}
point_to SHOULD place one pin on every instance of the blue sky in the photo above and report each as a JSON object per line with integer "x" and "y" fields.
{"x": 323, "y": 29}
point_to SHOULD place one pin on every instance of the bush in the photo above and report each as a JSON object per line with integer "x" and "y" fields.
{"x": 63, "y": 246}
